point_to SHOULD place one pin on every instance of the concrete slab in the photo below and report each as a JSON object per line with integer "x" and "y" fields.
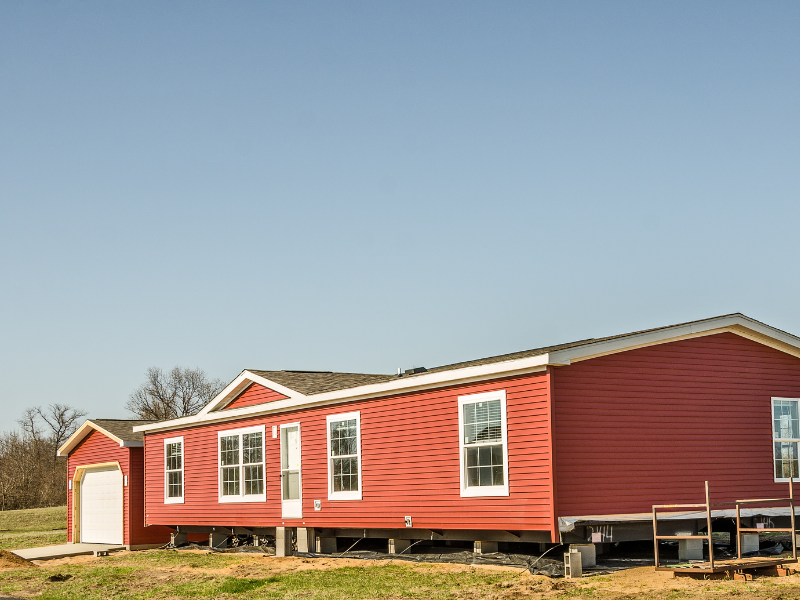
{"x": 62, "y": 550}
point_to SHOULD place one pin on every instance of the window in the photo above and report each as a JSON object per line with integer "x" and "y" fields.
{"x": 241, "y": 465}
{"x": 344, "y": 456}
{"x": 483, "y": 447}
{"x": 173, "y": 470}
{"x": 785, "y": 438}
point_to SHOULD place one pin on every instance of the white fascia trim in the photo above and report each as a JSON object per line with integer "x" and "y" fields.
{"x": 411, "y": 384}
{"x": 83, "y": 431}
{"x": 740, "y": 325}
{"x": 238, "y": 385}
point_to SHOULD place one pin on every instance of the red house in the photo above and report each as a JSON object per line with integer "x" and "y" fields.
{"x": 106, "y": 480}
{"x": 556, "y": 443}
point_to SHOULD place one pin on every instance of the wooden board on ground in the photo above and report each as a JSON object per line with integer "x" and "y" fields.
{"x": 735, "y": 564}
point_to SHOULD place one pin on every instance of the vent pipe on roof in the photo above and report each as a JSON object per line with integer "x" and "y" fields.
{"x": 415, "y": 370}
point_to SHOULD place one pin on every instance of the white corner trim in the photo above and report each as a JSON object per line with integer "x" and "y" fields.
{"x": 482, "y": 491}
{"x": 351, "y": 495}
{"x": 167, "y": 498}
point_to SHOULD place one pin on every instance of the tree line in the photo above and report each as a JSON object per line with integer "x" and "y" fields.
{"x": 32, "y": 476}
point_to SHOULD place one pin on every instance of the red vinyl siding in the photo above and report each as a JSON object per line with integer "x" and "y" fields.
{"x": 410, "y": 466}
{"x": 97, "y": 448}
{"x": 94, "y": 449}
{"x": 141, "y": 535}
{"x": 649, "y": 426}
{"x": 255, "y": 394}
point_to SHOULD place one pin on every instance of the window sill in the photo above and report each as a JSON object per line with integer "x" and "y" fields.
{"x": 344, "y": 495}
{"x": 173, "y": 501}
{"x": 485, "y": 491}
{"x": 238, "y": 499}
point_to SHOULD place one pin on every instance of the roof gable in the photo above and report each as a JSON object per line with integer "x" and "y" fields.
{"x": 252, "y": 395}
{"x": 118, "y": 430}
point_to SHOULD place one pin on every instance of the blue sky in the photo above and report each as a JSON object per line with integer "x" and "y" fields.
{"x": 361, "y": 186}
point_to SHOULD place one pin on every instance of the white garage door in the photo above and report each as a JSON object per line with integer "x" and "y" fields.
{"x": 101, "y": 506}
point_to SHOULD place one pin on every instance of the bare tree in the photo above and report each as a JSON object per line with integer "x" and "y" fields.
{"x": 62, "y": 420}
{"x": 30, "y": 473}
{"x": 179, "y": 393}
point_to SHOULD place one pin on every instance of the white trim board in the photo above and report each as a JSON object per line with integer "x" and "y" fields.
{"x": 83, "y": 431}
{"x": 737, "y": 324}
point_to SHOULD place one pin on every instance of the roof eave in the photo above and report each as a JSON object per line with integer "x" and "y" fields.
{"x": 410, "y": 384}
{"x": 736, "y": 323}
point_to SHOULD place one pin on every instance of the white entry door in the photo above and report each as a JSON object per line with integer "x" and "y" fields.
{"x": 101, "y": 506}
{"x": 291, "y": 482}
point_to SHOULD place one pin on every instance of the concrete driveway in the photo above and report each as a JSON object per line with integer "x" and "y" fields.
{"x": 62, "y": 550}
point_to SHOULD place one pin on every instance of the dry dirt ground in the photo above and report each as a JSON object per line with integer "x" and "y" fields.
{"x": 169, "y": 574}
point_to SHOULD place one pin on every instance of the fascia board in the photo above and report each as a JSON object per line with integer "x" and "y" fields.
{"x": 81, "y": 433}
{"x": 235, "y": 387}
{"x": 419, "y": 382}
{"x": 739, "y": 325}
{"x": 231, "y": 389}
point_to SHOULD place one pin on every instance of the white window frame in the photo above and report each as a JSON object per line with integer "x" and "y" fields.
{"x": 242, "y": 497}
{"x": 482, "y": 490}
{"x": 774, "y": 440}
{"x": 350, "y": 495}
{"x": 167, "y": 498}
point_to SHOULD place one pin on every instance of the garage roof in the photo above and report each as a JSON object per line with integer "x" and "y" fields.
{"x": 119, "y": 430}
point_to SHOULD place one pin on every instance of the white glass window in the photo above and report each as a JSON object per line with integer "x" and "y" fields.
{"x": 785, "y": 437}
{"x": 483, "y": 444}
{"x": 241, "y": 465}
{"x": 344, "y": 456}
{"x": 173, "y": 470}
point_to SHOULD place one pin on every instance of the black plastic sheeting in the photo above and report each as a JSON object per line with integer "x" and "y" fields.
{"x": 533, "y": 564}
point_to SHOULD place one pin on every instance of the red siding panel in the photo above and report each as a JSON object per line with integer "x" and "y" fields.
{"x": 410, "y": 466}
{"x": 255, "y": 394}
{"x": 649, "y": 426}
{"x": 140, "y": 534}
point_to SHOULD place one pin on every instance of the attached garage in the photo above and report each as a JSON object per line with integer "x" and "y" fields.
{"x": 105, "y": 504}
{"x": 101, "y": 517}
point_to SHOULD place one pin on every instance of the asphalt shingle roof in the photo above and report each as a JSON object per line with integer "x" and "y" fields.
{"x": 122, "y": 428}
{"x": 318, "y": 382}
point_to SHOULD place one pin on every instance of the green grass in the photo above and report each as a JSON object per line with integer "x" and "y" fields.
{"x": 171, "y": 575}
{"x": 164, "y": 574}
{"x": 33, "y": 527}
{"x": 34, "y": 519}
